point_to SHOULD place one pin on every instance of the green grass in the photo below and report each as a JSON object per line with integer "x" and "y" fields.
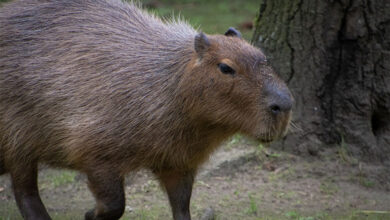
{"x": 9, "y": 211}
{"x": 349, "y": 215}
{"x": 2, "y": 2}
{"x": 211, "y": 16}
{"x": 234, "y": 141}
{"x": 149, "y": 213}
{"x": 291, "y": 214}
{"x": 328, "y": 188}
{"x": 154, "y": 213}
{"x": 59, "y": 178}
{"x": 252, "y": 210}
{"x": 63, "y": 178}
{"x": 344, "y": 153}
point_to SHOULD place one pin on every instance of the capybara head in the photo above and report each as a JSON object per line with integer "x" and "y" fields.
{"x": 234, "y": 87}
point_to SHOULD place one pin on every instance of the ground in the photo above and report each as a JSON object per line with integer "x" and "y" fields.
{"x": 242, "y": 180}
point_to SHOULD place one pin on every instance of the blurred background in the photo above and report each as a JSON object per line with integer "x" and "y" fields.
{"x": 211, "y": 16}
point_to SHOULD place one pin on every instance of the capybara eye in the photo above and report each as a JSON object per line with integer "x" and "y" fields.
{"x": 226, "y": 69}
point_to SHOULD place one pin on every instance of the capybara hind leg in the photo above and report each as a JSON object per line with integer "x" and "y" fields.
{"x": 107, "y": 188}
{"x": 178, "y": 185}
{"x": 25, "y": 186}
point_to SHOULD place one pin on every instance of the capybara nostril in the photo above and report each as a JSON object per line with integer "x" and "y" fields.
{"x": 280, "y": 103}
{"x": 275, "y": 109}
{"x": 280, "y": 100}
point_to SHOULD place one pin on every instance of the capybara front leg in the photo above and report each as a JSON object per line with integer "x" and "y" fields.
{"x": 25, "y": 186}
{"x": 107, "y": 187}
{"x": 178, "y": 185}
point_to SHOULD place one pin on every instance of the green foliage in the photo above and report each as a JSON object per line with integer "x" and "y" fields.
{"x": 5, "y": 218}
{"x": 211, "y": 16}
{"x": 235, "y": 140}
{"x": 252, "y": 210}
{"x": 291, "y": 214}
{"x": 367, "y": 183}
{"x": 64, "y": 178}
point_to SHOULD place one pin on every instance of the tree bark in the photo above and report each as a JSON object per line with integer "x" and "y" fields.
{"x": 335, "y": 57}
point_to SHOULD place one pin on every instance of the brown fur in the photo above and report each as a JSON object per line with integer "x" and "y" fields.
{"x": 101, "y": 86}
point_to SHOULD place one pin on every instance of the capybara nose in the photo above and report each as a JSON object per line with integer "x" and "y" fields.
{"x": 280, "y": 100}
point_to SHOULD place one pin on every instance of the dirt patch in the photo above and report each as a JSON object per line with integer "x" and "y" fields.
{"x": 240, "y": 182}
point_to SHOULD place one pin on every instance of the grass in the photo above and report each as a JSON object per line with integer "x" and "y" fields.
{"x": 59, "y": 178}
{"x": 344, "y": 154}
{"x": 63, "y": 178}
{"x": 234, "y": 141}
{"x": 363, "y": 178}
{"x": 292, "y": 214}
{"x": 10, "y": 210}
{"x": 285, "y": 195}
{"x": 252, "y": 210}
{"x": 145, "y": 214}
{"x": 154, "y": 214}
{"x": 328, "y": 188}
{"x": 366, "y": 182}
{"x": 350, "y": 215}
{"x": 282, "y": 175}
{"x": 2, "y": 2}
{"x": 211, "y": 16}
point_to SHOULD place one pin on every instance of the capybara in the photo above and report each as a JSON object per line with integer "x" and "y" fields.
{"x": 103, "y": 87}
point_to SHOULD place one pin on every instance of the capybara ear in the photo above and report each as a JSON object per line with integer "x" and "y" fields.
{"x": 233, "y": 33}
{"x": 202, "y": 43}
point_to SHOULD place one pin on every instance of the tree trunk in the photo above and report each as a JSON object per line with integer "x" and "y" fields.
{"x": 335, "y": 57}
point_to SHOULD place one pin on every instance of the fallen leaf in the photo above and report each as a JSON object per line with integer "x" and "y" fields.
{"x": 269, "y": 166}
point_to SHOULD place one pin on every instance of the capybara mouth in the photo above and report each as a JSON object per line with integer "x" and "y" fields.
{"x": 265, "y": 141}
{"x": 267, "y": 138}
